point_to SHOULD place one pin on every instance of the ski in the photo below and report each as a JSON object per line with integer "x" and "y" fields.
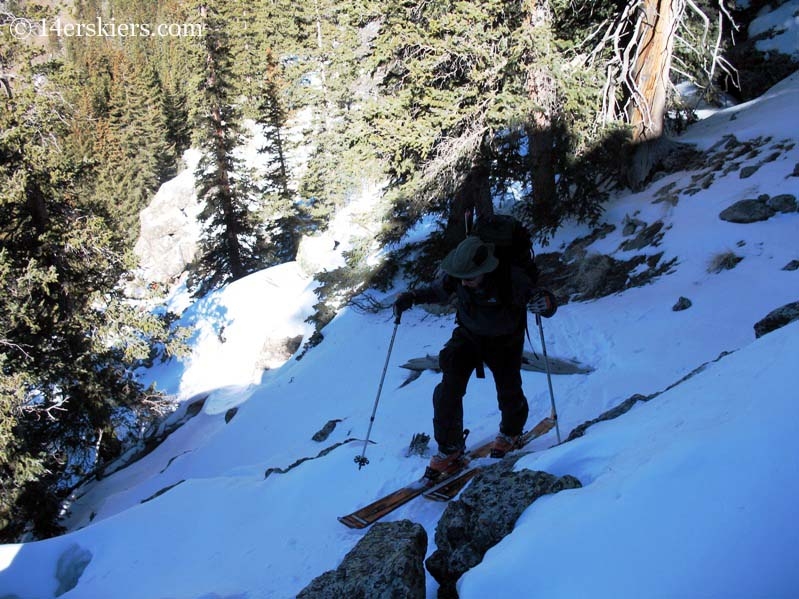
{"x": 442, "y": 489}
{"x": 369, "y": 514}
{"x": 449, "y": 488}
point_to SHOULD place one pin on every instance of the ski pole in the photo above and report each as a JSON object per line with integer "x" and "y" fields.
{"x": 549, "y": 375}
{"x": 362, "y": 460}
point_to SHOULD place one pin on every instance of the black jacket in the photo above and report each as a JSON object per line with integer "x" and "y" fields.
{"x": 496, "y": 308}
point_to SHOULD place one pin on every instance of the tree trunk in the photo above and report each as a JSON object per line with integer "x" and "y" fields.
{"x": 657, "y": 22}
{"x": 542, "y": 91}
{"x": 650, "y": 72}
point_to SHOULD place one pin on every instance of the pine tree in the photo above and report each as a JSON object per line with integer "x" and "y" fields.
{"x": 452, "y": 78}
{"x": 132, "y": 148}
{"x": 337, "y": 82}
{"x": 62, "y": 382}
{"x": 231, "y": 242}
{"x": 283, "y": 218}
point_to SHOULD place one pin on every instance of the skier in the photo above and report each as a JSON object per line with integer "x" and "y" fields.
{"x": 491, "y": 321}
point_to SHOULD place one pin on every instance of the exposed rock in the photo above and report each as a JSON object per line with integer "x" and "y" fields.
{"x": 747, "y": 211}
{"x": 631, "y": 225}
{"x": 682, "y": 304}
{"x": 597, "y": 275}
{"x": 784, "y": 202}
{"x": 577, "y": 248}
{"x": 70, "y": 567}
{"x": 276, "y": 351}
{"x": 792, "y": 265}
{"x": 748, "y": 171}
{"x": 577, "y": 274}
{"x": 615, "y": 412}
{"x": 170, "y": 227}
{"x": 230, "y": 414}
{"x": 275, "y": 470}
{"x": 681, "y": 158}
{"x": 323, "y": 433}
{"x": 777, "y": 318}
{"x": 628, "y": 403}
{"x": 156, "y": 435}
{"x": 196, "y": 406}
{"x": 668, "y": 193}
{"x": 484, "y": 514}
{"x": 649, "y": 236}
{"x": 160, "y": 492}
{"x": 385, "y": 564}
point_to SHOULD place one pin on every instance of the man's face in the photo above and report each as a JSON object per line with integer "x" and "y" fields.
{"x": 473, "y": 283}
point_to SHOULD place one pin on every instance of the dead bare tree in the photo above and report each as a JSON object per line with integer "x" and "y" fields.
{"x": 638, "y": 50}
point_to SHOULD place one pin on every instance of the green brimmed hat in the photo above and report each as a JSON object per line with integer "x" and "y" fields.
{"x": 470, "y": 259}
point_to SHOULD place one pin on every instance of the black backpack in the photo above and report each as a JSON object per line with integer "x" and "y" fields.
{"x": 512, "y": 246}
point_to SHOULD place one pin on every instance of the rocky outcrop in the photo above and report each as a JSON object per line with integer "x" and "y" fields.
{"x": 486, "y": 513}
{"x": 777, "y": 318}
{"x": 598, "y": 275}
{"x": 650, "y": 236}
{"x": 385, "y": 564}
{"x": 578, "y": 274}
{"x": 170, "y": 228}
{"x": 276, "y": 351}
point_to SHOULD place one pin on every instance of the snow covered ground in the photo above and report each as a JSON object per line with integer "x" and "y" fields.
{"x": 689, "y": 495}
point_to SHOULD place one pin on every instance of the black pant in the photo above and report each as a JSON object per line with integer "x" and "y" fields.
{"x": 462, "y": 354}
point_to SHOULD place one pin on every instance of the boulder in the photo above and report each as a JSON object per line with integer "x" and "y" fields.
{"x": 784, "y": 202}
{"x": 748, "y": 171}
{"x": 683, "y": 303}
{"x": 170, "y": 227}
{"x": 747, "y": 211}
{"x": 777, "y": 318}
{"x": 323, "y": 433}
{"x": 484, "y": 514}
{"x": 275, "y": 351}
{"x": 387, "y": 563}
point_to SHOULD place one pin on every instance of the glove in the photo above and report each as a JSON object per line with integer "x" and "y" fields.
{"x": 543, "y": 302}
{"x": 402, "y": 303}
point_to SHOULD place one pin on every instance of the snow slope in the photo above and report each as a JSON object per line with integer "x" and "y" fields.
{"x": 688, "y": 495}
